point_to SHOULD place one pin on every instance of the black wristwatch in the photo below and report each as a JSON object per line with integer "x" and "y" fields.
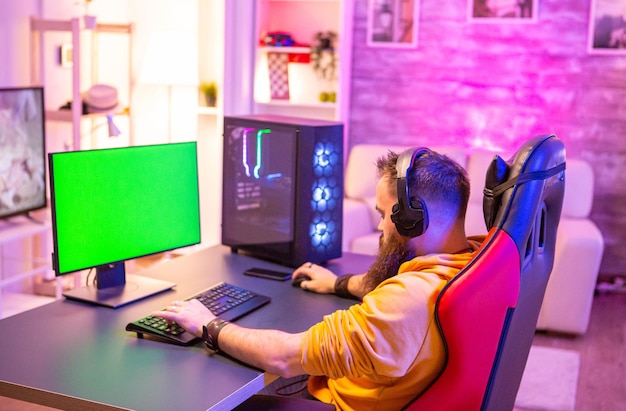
{"x": 211, "y": 331}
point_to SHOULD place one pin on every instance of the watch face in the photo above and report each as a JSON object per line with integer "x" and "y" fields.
{"x": 210, "y": 333}
{"x": 207, "y": 339}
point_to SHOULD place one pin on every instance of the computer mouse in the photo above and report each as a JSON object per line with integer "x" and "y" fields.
{"x": 298, "y": 280}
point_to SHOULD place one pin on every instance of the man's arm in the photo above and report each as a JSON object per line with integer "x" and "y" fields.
{"x": 274, "y": 351}
{"x": 271, "y": 350}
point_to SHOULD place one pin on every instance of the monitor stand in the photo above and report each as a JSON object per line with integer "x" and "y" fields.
{"x": 114, "y": 288}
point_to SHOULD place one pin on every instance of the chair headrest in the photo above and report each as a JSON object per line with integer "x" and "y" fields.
{"x": 539, "y": 159}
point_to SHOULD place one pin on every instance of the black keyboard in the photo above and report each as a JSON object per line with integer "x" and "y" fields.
{"x": 226, "y": 301}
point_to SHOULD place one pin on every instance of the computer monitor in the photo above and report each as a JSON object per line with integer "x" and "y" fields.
{"x": 112, "y": 205}
{"x": 282, "y": 194}
{"x": 22, "y": 151}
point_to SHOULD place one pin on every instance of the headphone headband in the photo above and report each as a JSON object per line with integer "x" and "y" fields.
{"x": 407, "y": 158}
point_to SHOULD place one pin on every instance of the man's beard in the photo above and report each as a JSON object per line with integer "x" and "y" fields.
{"x": 392, "y": 252}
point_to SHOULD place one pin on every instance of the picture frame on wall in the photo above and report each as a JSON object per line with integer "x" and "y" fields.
{"x": 607, "y": 27}
{"x": 502, "y": 11}
{"x": 65, "y": 55}
{"x": 392, "y": 23}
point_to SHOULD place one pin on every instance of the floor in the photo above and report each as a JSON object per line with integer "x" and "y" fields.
{"x": 602, "y": 374}
{"x": 602, "y": 380}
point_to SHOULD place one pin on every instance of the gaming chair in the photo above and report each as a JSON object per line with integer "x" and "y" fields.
{"x": 488, "y": 312}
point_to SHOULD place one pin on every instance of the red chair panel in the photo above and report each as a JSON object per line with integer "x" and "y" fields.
{"x": 483, "y": 293}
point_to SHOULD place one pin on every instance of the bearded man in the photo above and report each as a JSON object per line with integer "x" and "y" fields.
{"x": 381, "y": 352}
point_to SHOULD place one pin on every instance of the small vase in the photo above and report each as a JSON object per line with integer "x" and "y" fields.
{"x": 90, "y": 22}
{"x": 211, "y": 101}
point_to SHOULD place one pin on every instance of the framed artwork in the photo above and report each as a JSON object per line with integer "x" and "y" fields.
{"x": 502, "y": 11}
{"x": 392, "y": 23}
{"x": 607, "y": 27}
{"x": 66, "y": 55}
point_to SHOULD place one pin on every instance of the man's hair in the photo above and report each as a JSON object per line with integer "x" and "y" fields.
{"x": 434, "y": 177}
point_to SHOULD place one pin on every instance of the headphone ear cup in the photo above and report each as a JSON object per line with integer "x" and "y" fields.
{"x": 410, "y": 221}
{"x": 416, "y": 204}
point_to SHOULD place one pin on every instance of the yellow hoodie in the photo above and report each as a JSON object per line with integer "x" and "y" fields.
{"x": 379, "y": 354}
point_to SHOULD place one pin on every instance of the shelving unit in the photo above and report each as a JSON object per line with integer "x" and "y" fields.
{"x": 239, "y": 24}
{"x": 40, "y": 53}
{"x": 303, "y": 19}
{"x": 24, "y": 244}
{"x": 211, "y": 68}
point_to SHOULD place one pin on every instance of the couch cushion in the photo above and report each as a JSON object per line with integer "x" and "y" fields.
{"x": 367, "y": 244}
{"x": 357, "y": 221}
{"x": 361, "y": 173}
{"x": 477, "y": 165}
{"x": 475, "y": 220}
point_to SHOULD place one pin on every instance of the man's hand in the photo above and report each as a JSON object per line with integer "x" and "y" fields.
{"x": 192, "y": 315}
{"x": 322, "y": 280}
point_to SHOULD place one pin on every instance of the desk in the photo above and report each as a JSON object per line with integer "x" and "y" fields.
{"x": 72, "y": 355}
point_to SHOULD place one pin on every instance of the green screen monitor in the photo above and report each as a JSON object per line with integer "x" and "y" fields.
{"x": 113, "y": 205}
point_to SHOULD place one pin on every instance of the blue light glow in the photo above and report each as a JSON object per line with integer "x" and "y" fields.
{"x": 325, "y": 196}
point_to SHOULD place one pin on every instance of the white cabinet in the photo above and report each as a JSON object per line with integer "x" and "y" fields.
{"x": 24, "y": 254}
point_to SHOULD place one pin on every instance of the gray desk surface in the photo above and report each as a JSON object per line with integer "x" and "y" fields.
{"x": 74, "y": 355}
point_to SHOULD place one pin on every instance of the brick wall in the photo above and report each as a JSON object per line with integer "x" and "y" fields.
{"x": 497, "y": 84}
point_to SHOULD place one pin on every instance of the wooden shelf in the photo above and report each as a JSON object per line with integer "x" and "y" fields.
{"x": 51, "y": 25}
{"x": 287, "y": 103}
{"x": 288, "y": 49}
{"x": 20, "y": 227}
{"x": 66, "y": 115}
{"x": 208, "y": 111}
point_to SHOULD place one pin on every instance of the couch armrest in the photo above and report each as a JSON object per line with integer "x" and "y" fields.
{"x": 569, "y": 295}
{"x": 357, "y": 221}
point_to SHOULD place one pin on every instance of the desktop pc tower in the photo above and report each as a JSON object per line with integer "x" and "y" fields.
{"x": 282, "y": 197}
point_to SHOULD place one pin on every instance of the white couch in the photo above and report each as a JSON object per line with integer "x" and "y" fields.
{"x": 579, "y": 244}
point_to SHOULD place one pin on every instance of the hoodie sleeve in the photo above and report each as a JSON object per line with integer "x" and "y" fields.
{"x": 383, "y": 335}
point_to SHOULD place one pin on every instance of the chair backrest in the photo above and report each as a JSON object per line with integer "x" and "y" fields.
{"x": 487, "y": 314}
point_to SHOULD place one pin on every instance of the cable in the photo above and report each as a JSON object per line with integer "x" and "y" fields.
{"x": 284, "y": 390}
